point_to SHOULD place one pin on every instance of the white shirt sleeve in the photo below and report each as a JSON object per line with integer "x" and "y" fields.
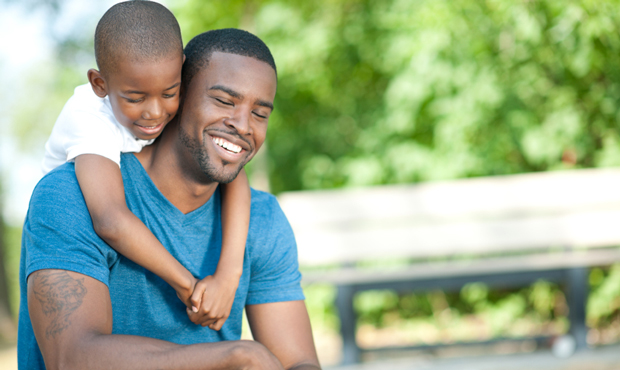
{"x": 86, "y": 125}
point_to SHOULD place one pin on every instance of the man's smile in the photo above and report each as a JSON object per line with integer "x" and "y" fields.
{"x": 226, "y": 144}
{"x": 229, "y": 146}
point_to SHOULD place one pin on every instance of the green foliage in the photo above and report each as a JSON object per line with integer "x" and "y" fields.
{"x": 474, "y": 313}
{"x": 12, "y": 242}
{"x": 604, "y": 302}
{"x": 320, "y": 304}
{"x": 404, "y": 91}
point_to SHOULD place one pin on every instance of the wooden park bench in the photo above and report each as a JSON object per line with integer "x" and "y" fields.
{"x": 504, "y": 231}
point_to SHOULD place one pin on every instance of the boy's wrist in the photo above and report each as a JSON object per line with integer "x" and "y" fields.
{"x": 228, "y": 272}
{"x": 183, "y": 281}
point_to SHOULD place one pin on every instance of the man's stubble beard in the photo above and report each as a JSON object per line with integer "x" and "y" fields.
{"x": 200, "y": 155}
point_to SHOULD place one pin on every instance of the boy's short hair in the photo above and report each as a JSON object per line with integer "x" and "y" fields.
{"x": 139, "y": 30}
{"x": 228, "y": 40}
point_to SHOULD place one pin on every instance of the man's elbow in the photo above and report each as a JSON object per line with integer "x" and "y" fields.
{"x": 75, "y": 354}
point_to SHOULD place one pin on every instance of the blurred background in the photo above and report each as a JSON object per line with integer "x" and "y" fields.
{"x": 369, "y": 93}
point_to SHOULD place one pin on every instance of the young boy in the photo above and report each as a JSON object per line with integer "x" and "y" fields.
{"x": 127, "y": 104}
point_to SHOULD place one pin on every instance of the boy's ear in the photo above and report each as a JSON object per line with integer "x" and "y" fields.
{"x": 97, "y": 83}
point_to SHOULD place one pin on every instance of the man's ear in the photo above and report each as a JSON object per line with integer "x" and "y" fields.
{"x": 97, "y": 83}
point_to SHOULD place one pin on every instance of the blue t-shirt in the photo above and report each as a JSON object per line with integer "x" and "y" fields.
{"x": 58, "y": 234}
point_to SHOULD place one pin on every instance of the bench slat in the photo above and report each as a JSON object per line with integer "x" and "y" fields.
{"x": 578, "y": 208}
{"x": 487, "y": 266}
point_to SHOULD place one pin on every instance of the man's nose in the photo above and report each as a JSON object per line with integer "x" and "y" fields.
{"x": 240, "y": 121}
{"x": 153, "y": 109}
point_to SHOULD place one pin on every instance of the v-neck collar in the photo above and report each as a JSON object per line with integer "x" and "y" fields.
{"x": 140, "y": 179}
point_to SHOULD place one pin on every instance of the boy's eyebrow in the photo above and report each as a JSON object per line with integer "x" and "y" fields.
{"x": 237, "y": 95}
{"x": 173, "y": 86}
{"x": 142, "y": 92}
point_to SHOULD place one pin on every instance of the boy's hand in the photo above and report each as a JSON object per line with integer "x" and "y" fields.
{"x": 212, "y": 300}
{"x": 184, "y": 291}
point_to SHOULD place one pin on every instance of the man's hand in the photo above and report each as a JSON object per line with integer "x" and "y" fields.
{"x": 212, "y": 300}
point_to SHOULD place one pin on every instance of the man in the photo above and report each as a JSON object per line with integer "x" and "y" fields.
{"x": 86, "y": 307}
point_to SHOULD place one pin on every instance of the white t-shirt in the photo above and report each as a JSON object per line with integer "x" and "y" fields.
{"x": 86, "y": 125}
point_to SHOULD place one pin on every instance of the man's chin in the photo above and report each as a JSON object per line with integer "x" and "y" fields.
{"x": 224, "y": 176}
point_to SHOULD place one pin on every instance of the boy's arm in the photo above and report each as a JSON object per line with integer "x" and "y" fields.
{"x": 102, "y": 186}
{"x": 214, "y": 295}
{"x": 71, "y": 315}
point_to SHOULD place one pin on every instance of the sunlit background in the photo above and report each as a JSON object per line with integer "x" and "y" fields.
{"x": 369, "y": 93}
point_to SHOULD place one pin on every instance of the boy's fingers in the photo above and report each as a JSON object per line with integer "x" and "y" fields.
{"x": 196, "y": 297}
{"x": 217, "y": 325}
{"x": 207, "y": 323}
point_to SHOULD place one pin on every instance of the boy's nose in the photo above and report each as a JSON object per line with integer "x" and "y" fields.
{"x": 154, "y": 110}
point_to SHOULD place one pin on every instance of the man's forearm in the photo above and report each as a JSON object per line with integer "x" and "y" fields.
{"x": 71, "y": 316}
{"x": 133, "y": 352}
{"x": 305, "y": 367}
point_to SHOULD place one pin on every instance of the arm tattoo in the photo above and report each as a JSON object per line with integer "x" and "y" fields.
{"x": 59, "y": 295}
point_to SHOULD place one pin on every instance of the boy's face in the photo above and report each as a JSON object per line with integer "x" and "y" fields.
{"x": 144, "y": 95}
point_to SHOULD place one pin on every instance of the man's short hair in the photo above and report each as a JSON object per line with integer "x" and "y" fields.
{"x": 138, "y": 30}
{"x": 228, "y": 40}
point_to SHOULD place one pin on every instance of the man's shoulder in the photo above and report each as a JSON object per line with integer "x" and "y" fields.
{"x": 56, "y": 193}
{"x": 61, "y": 179}
{"x": 267, "y": 220}
{"x": 265, "y": 206}
{"x": 262, "y": 198}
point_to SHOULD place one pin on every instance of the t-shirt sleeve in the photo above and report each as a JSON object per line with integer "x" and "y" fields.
{"x": 275, "y": 273}
{"x": 58, "y": 232}
{"x": 88, "y": 133}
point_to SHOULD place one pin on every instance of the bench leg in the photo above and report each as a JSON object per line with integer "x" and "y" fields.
{"x": 577, "y": 279}
{"x": 344, "y": 303}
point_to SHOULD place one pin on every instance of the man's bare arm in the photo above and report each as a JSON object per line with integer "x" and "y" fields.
{"x": 72, "y": 319}
{"x": 284, "y": 328}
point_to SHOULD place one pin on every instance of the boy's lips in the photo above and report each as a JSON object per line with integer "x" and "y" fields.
{"x": 150, "y": 130}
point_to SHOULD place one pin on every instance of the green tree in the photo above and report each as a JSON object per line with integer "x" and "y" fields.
{"x": 400, "y": 91}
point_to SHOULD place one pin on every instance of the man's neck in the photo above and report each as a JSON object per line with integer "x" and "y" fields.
{"x": 182, "y": 185}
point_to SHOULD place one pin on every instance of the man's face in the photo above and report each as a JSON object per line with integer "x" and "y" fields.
{"x": 225, "y": 110}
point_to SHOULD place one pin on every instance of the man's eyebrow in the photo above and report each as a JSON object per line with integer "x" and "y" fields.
{"x": 263, "y": 103}
{"x": 227, "y": 90}
{"x": 237, "y": 95}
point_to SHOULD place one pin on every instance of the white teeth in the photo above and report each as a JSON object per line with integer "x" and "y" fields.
{"x": 227, "y": 145}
